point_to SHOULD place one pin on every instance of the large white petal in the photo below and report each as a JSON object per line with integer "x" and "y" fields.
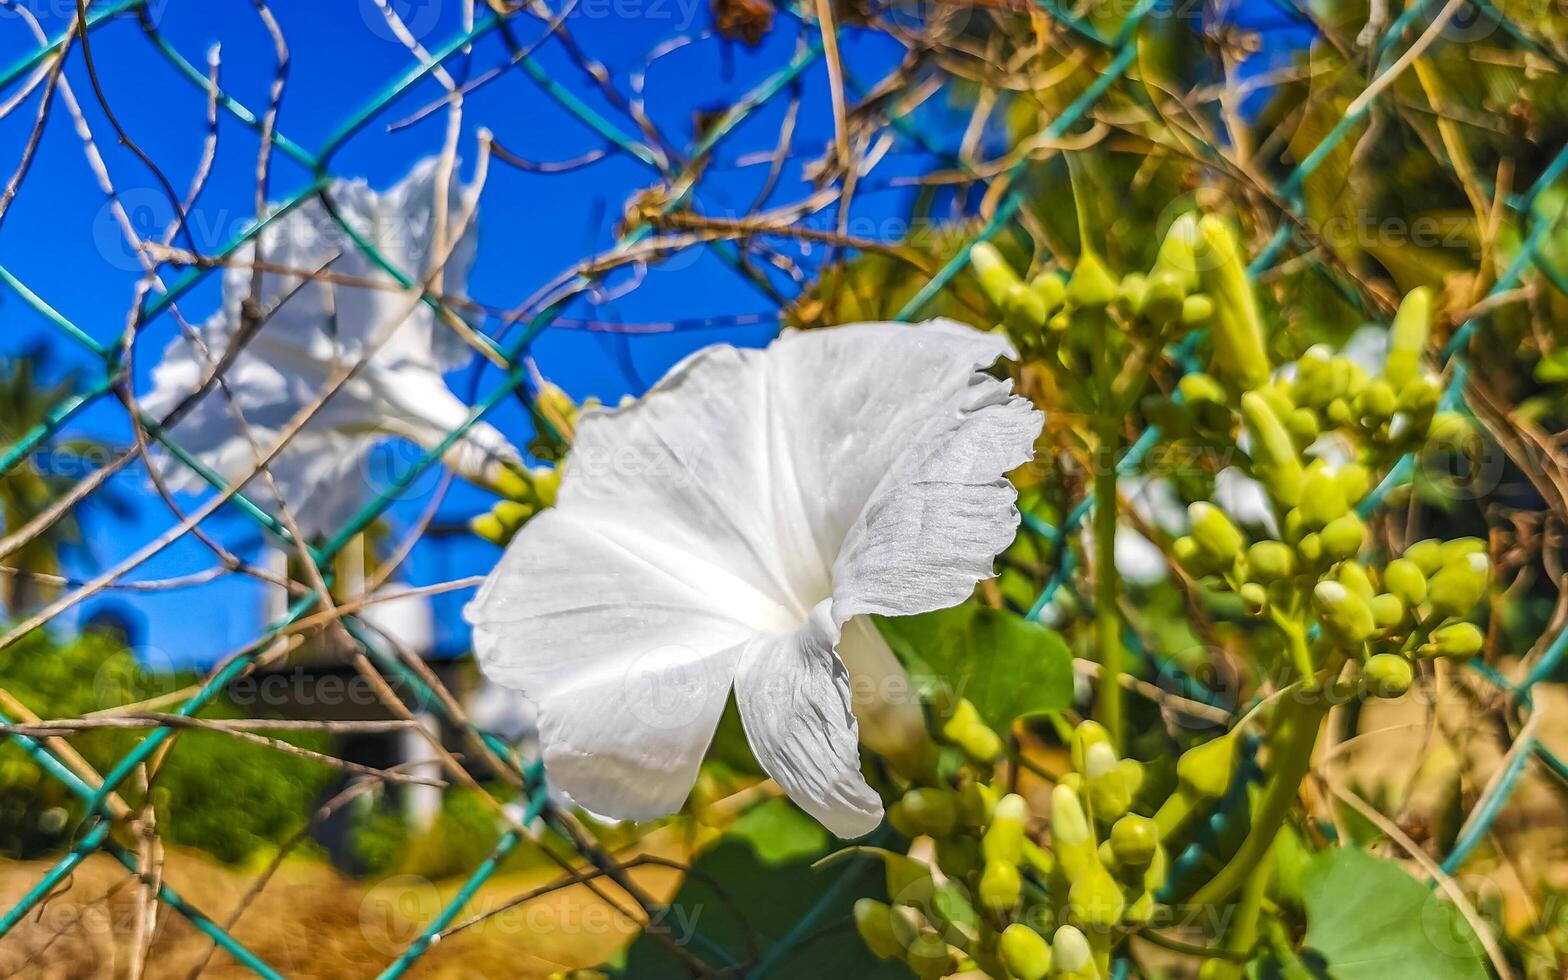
{"x": 936, "y": 507}
{"x": 628, "y": 654}
{"x": 337, "y": 320}
{"x": 795, "y": 701}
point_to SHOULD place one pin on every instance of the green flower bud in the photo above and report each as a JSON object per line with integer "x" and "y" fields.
{"x": 1388, "y": 611}
{"x": 1278, "y": 397}
{"x": 1350, "y": 377}
{"x": 1254, "y": 599}
{"x": 1163, "y": 299}
{"x": 1407, "y": 337}
{"x": 1302, "y": 424}
{"x": 1275, "y": 461}
{"x": 1000, "y": 886}
{"x": 1458, "y": 640}
{"x": 514, "y": 484}
{"x": 1343, "y": 612}
{"x": 996, "y": 277}
{"x": 1024, "y": 952}
{"x": 932, "y": 810}
{"x": 1196, "y": 310}
{"x": 1353, "y": 577}
{"x": 1134, "y": 840}
{"x": 1187, "y": 554}
{"x": 1059, "y": 322}
{"x": 1198, "y": 387}
{"x": 1388, "y": 675}
{"x": 1270, "y": 561}
{"x": 1343, "y": 537}
{"x": 1095, "y": 899}
{"x": 1004, "y": 840}
{"x": 1404, "y": 579}
{"x": 958, "y": 856}
{"x": 1022, "y": 309}
{"x": 929, "y": 957}
{"x": 1376, "y": 401}
{"x": 899, "y": 819}
{"x": 1177, "y": 255}
{"x": 908, "y": 881}
{"x": 1426, "y": 555}
{"x": 965, "y": 729}
{"x": 1420, "y": 397}
{"x": 976, "y": 804}
{"x": 1322, "y": 498}
{"x": 1237, "y": 330}
{"x": 1131, "y": 290}
{"x": 1314, "y": 386}
{"x": 1354, "y": 481}
{"x": 876, "y": 929}
{"x": 1203, "y": 772}
{"x": 1092, "y": 284}
{"x": 1450, "y": 430}
{"x": 1141, "y": 911}
{"x": 1051, "y": 290}
{"x": 1338, "y": 413}
{"x": 1458, "y": 586}
{"x": 1111, "y": 793}
{"x": 490, "y": 528}
{"x": 1217, "y": 537}
{"x": 1070, "y": 951}
{"x": 1070, "y": 832}
{"x": 1038, "y": 858}
{"x": 1310, "y": 549}
{"x": 1085, "y": 737}
{"x": 1454, "y": 551}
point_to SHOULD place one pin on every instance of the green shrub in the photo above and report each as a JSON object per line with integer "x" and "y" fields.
{"x": 211, "y": 791}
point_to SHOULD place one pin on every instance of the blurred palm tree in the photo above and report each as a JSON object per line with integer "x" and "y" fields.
{"x": 32, "y": 485}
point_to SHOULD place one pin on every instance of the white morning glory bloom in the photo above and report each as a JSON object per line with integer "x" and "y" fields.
{"x": 316, "y": 329}
{"x": 734, "y": 529}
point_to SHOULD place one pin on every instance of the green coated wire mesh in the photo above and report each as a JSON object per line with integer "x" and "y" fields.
{"x": 1107, "y": 60}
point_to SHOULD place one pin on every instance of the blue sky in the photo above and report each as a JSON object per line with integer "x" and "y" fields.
{"x": 58, "y": 237}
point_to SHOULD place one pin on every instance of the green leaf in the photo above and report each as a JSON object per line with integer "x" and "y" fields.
{"x": 744, "y": 896}
{"x": 1370, "y": 920}
{"x": 780, "y": 833}
{"x": 1008, "y": 666}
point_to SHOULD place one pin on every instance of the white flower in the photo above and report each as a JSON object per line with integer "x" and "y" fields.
{"x": 1140, "y": 561}
{"x": 1245, "y": 500}
{"x": 317, "y": 329}
{"x": 734, "y": 529}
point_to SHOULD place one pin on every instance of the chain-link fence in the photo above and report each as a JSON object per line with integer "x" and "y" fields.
{"x": 1104, "y": 84}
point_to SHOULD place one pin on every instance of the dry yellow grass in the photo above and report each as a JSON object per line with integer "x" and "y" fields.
{"x": 311, "y": 922}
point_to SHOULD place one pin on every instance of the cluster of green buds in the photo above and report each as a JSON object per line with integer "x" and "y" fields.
{"x": 999, "y": 903}
{"x": 1384, "y": 416}
{"x": 1313, "y": 583}
{"x": 1392, "y": 413}
{"x": 1067, "y": 321}
{"x": 525, "y": 491}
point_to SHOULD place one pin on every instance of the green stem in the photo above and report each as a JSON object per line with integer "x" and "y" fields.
{"x": 1291, "y": 756}
{"x": 1108, "y": 628}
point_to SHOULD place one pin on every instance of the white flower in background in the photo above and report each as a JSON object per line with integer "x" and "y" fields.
{"x": 1245, "y": 500}
{"x": 733, "y": 529}
{"x": 1140, "y": 561}
{"x": 316, "y": 329}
